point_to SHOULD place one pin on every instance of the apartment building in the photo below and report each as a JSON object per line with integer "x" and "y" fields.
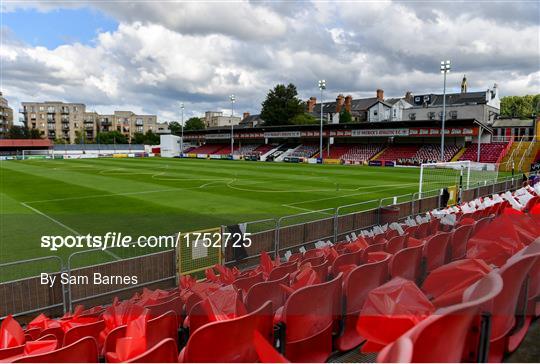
{"x": 6, "y": 116}
{"x": 214, "y": 119}
{"x": 63, "y": 121}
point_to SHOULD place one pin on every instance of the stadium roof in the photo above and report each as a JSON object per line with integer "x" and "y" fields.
{"x": 25, "y": 143}
{"x": 350, "y": 126}
{"x": 512, "y": 122}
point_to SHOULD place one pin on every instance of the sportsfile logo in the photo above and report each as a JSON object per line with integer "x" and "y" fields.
{"x": 119, "y": 240}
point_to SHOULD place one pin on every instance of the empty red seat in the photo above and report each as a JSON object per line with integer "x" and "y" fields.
{"x": 344, "y": 260}
{"x": 514, "y": 273}
{"x": 282, "y": 270}
{"x": 309, "y": 316}
{"x": 83, "y": 351}
{"x": 175, "y": 304}
{"x": 356, "y": 287}
{"x": 379, "y": 247}
{"x": 165, "y": 351}
{"x": 267, "y": 291}
{"x": 396, "y": 243}
{"x": 442, "y": 336}
{"x": 407, "y": 263}
{"x": 458, "y": 241}
{"x": 160, "y": 328}
{"x": 435, "y": 250}
{"x": 246, "y": 283}
{"x": 78, "y": 332}
{"x": 56, "y": 331}
{"x": 228, "y": 340}
{"x": 109, "y": 345}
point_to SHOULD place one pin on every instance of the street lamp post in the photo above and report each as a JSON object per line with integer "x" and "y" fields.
{"x": 233, "y": 99}
{"x": 182, "y": 125}
{"x": 445, "y": 68}
{"x": 322, "y": 87}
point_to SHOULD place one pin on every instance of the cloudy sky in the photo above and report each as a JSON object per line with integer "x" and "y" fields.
{"x": 148, "y": 56}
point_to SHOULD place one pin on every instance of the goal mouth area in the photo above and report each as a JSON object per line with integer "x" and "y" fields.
{"x": 461, "y": 174}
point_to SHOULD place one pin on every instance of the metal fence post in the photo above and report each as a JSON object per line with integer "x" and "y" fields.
{"x": 276, "y": 237}
{"x": 336, "y": 221}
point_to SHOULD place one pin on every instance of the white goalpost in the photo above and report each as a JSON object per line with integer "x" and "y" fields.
{"x": 37, "y": 154}
{"x": 461, "y": 174}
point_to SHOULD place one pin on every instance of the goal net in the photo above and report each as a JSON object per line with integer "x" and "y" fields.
{"x": 462, "y": 174}
{"x": 37, "y": 154}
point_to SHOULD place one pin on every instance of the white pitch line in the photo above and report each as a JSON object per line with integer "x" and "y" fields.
{"x": 64, "y": 226}
{"x": 349, "y": 195}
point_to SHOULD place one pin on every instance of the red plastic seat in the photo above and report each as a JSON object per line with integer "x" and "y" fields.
{"x": 160, "y": 328}
{"x": 83, "y": 351}
{"x": 78, "y": 332}
{"x": 309, "y": 316}
{"x": 56, "y": 331}
{"x": 9, "y": 352}
{"x": 313, "y": 253}
{"x": 422, "y": 231}
{"x": 480, "y": 224}
{"x": 356, "y": 287}
{"x": 346, "y": 259}
{"x": 109, "y": 345}
{"x": 165, "y": 351}
{"x": 458, "y": 242}
{"x": 533, "y": 293}
{"x": 175, "y": 304}
{"x": 34, "y": 333}
{"x": 407, "y": 263}
{"x": 454, "y": 321}
{"x": 267, "y": 291}
{"x": 246, "y": 283}
{"x": 375, "y": 248}
{"x": 228, "y": 340}
{"x": 434, "y": 226}
{"x": 322, "y": 270}
{"x": 315, "y": 260}
{"x": 505, "y": 305}
{"x": 197, "y": 317}
{"x": 435, "y": 250}
{"x": 396, "y": 244}
{"x": 282, "y": 270}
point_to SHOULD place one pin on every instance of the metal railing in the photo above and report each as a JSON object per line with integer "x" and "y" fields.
{"x": 20, "y": 296}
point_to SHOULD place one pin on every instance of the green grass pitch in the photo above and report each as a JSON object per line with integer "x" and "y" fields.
{"x": 156, "y": 196}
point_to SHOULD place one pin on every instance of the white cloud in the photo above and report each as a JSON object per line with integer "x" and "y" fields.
{"x": 200, "y": 53}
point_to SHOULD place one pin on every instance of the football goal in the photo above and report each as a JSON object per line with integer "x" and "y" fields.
{"x": 459, "y": 175}
{"x": 38, "y": 154}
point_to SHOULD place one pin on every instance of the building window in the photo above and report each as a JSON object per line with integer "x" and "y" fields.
{"x": 375, "y": 112}
{"x": 412, "y": 116}
{"x": 50, "y": 109}
{"x": 453, "y": 114}
{"x": 41, "y": 108}
{"x": 431, "y": 115}
{"x": 395, "y": 112}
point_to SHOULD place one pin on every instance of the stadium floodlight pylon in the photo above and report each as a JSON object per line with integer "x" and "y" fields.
{"x": 37, "y": 154}
{"x": 460, "y": 174}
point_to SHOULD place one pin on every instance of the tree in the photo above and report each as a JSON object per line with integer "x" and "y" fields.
{"x": 194, "y": 124}
{"x": 304, "y": 119}
{"x": 111, "y": 137}
{"x": 80, "y": 137}
{"x": 175, "y": 128}
{"x": 151, "y": 138}
{"x": 138, "y": 138}
{"x": 22, "y": 132}
{"x": 281, "y": 105}
{"x": 345, "y": 117}
{"x": 522, "y": 107}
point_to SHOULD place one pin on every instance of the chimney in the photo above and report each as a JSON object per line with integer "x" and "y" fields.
{"x": 245, "y": 115}
{"x": 339, "y": 103}
{"x": 380, "y": 94}
{"x": 311, "y": 103}
{"x": 348, "y": 103}
{"x": 408, "y": 96}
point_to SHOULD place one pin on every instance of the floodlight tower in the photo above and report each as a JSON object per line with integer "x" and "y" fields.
{"x": 445, "y": 68}
{"x": 182, "y": 125}
{"x": 322, "y": 87}
{"x": 232, "y": 98}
